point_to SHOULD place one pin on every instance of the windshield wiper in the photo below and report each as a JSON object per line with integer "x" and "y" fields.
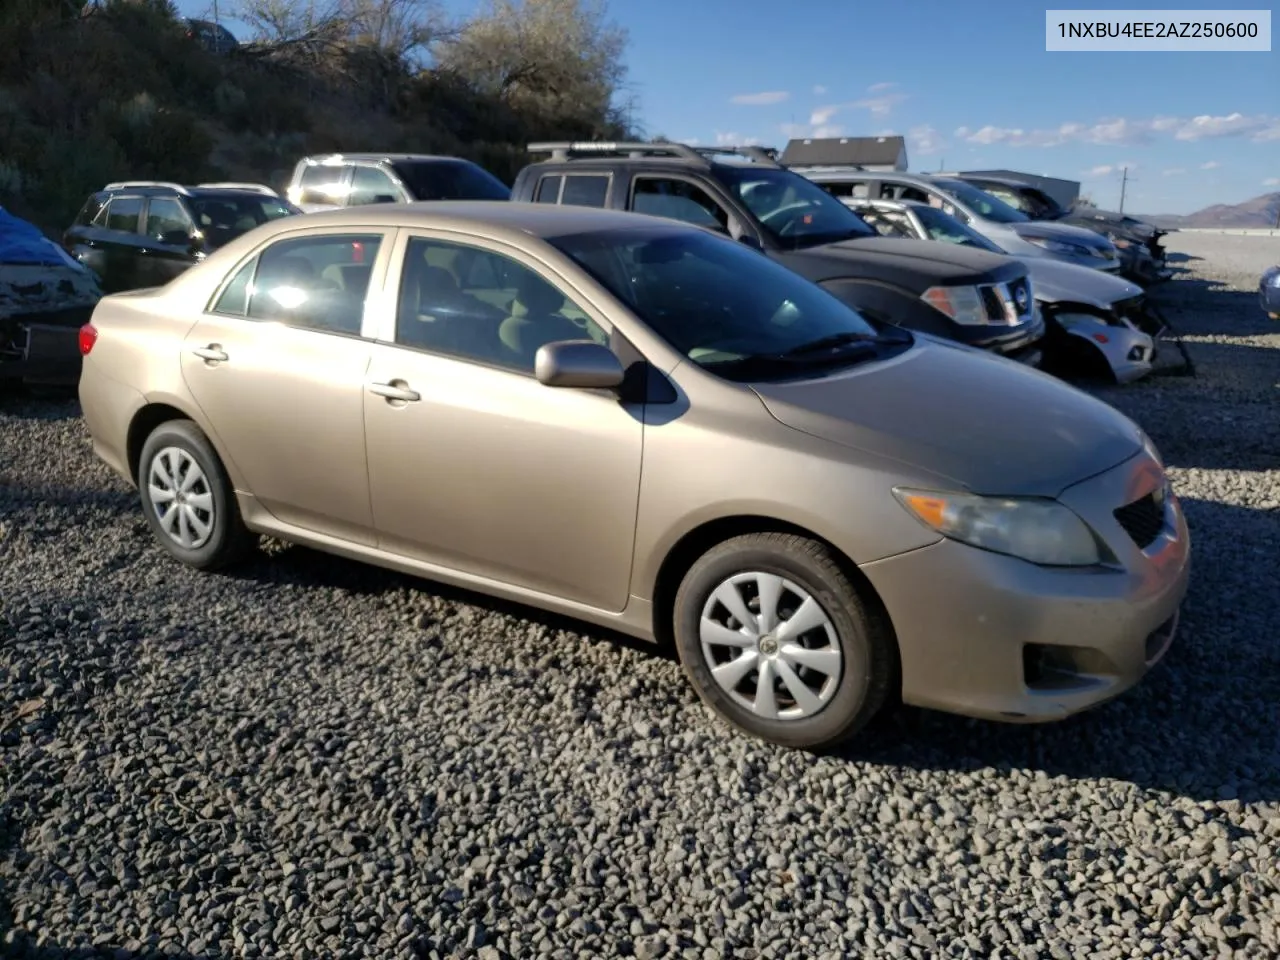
{"x": 865, "y": 341}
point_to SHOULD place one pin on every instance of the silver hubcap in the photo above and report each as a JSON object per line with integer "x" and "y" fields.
{"x": 180, "y": 495}
{"x": 770, "y": 646}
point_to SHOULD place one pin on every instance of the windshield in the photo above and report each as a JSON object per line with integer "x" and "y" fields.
{"x": 222, "y": 217}
{"x": 723, "y": 305}
{"x": 794, "y": 210}
{"x": 981, "y": 202}
{"x": 449, "y": 180}
{"x": 943, "y": 226}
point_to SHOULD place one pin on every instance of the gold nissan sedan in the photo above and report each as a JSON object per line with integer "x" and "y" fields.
{"x": 645, "y": 425}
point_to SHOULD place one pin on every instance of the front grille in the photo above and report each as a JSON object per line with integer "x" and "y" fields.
{"x": 1000, "y": 300}
{"x": 994, "y": 305}
{"x": 1143, "y": 519}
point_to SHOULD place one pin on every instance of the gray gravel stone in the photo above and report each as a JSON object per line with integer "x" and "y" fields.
{"x": 313, "y": 758}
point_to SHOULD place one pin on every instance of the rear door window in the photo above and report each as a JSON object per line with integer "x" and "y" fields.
{"x": 583, "y": 190}
{"x": 321, "y": 184}
{"x": 165, "y": 217}
{"x": 123, "y": 214}
{"x": 371, "y": 185}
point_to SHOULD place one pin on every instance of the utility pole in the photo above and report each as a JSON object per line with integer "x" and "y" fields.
{"x": 1124, "y": 183}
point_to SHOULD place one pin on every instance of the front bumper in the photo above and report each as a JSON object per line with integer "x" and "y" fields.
{"x": 1022, "y": 342}
{"x": 986, "y": 635}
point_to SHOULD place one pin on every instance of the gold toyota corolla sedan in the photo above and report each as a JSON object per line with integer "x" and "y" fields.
{"x": 644, "y": 425}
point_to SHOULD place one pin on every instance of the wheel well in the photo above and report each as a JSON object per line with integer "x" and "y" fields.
{"x": 701, "y": 539}
{"x": 144, "y": 421}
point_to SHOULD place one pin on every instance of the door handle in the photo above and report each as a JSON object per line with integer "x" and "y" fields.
{"x": 212, "y": 353}
{"x": 395, "y": 390}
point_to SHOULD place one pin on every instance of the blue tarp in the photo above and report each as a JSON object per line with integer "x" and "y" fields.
{"x": 22, "y": 242}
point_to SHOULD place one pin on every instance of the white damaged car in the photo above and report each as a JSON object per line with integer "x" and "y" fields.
{"x": 1096, "y": 324}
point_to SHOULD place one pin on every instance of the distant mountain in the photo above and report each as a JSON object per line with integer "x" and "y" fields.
{"x": 1260, "y": 212}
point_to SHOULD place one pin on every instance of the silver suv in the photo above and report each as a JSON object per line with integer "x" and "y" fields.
{"x": 337, "y": 180}
{"x": 1009, "y": 229}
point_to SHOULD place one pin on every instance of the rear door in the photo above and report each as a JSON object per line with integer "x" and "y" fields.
{"x": 278, "y": 363}
{"x": 167, "y": 252}
{"x": 121, "y": 244}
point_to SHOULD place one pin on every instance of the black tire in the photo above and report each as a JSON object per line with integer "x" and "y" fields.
{"x": 228, "y": 540}
{"x": 868, "y": 667}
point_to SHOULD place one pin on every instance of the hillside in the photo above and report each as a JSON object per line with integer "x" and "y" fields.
{"x": 99, "y": 90}
{"x": 1259, "y": 213}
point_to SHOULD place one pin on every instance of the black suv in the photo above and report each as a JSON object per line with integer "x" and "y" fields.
{"x": 971, "y": 296}
{"x": 143, "y": 233}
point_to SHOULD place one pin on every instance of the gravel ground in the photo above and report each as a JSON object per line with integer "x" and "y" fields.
{"x": 312, "y": 758}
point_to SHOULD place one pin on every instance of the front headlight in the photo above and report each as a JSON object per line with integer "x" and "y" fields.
{"x": 961, "y": 304}
{"x": 1058, "y": 246}
{"x": 1035, "y": 529}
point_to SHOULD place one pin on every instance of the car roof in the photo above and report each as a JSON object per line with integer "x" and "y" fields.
{"x": 502, "y": 216}
{"x": 338, "y": 158}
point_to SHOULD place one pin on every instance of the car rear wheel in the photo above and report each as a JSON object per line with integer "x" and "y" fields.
{"x": 776, "y": 640}
{"x": 188, "y": 499}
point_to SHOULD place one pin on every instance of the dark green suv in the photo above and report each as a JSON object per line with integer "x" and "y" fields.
{"x": 143, "y": 233}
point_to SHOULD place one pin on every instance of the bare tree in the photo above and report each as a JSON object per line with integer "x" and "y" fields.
{"x": 398, "y": 29}
{"x": 545, "y": 53}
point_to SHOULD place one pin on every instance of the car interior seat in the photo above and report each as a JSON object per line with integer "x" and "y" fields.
{"x": 536, "y": 319}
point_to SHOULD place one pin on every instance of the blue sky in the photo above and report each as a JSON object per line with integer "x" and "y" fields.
{"x": 969, "y": 84}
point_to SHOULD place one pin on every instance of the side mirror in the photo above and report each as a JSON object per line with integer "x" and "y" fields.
{"x": 577, "y": 363}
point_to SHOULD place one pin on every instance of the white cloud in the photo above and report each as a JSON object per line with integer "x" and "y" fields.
{"x": 828, "y": 130}
{"x": 1122, "y": 130}
{"x": 760, "y": 99}
{"x": 1234, "y": 124}
{"x": 1174, "y": 171}
{"x": 1210, "y": 165}
{"x": 1271, "y": 182}
{"x": 878, "y": 106}
{"x": 1110, "y": 169}
{"x": 734, "y": 139}
{"x": 819, "y": 89}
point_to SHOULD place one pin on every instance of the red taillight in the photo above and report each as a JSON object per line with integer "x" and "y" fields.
{"x": 88, "y": 337}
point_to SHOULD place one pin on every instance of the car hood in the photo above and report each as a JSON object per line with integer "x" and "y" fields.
{"x": 944, "y": 263}
{"x": 1061, "y": 231}
{"x": 1055, "y": 281}
{"x": 990, "y": 425}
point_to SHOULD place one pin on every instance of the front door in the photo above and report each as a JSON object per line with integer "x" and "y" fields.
{"x": 474, "y": 464}
{"x": 278, "y": 366}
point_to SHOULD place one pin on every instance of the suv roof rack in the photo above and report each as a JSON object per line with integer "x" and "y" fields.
{"x": 160, "y": 184}
{"x": 566, "y": 149}
{"x": 764, "y": 155}
{"x": 833, "y": 168}
{"x": 232, "y": 185}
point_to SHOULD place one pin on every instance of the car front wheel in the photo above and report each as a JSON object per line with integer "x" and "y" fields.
{"x": 777, "y": 641}
{"x": 188, "y": 499}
